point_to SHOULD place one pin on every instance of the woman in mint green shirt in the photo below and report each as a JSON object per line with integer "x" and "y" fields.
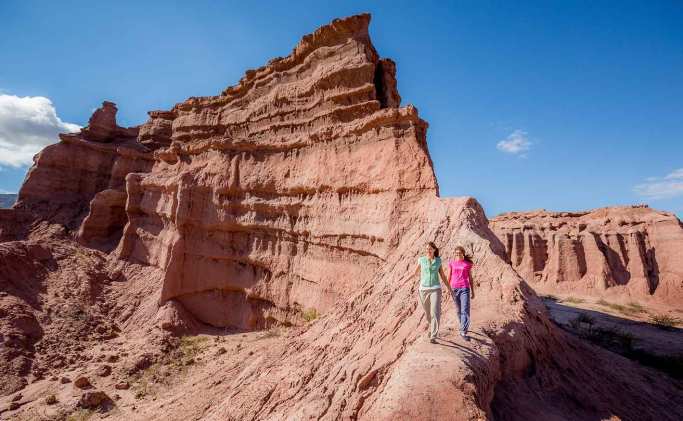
{"x": 429, "y": 268}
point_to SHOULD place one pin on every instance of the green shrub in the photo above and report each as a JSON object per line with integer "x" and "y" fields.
{"x": 622, "y": 342}
{"x": 80, "y": 415}
{"x": 582, "y": 319}
{"x": 272, "y": 332}
{"x": 614, "y": 337}
{"x": 635, "y": 307}
{"x": 664, "y": 321}
{"x": 628, "y": 310}
{"x": 310, "y": 314}
{"x": 573, "y": 300}
{"x": 586, "y": 318}
{"x": 190, "y": 346}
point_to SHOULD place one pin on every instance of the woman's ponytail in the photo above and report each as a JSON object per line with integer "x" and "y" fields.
{"x": 436, "y": 249}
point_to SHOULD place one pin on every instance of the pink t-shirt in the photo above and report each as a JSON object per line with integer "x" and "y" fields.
{"x": 460, "y": 273}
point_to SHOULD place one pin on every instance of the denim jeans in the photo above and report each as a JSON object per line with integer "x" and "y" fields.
{"x": 461, "y": 298}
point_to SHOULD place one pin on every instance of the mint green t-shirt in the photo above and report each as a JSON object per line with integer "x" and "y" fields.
{"x": 429, "y": 272}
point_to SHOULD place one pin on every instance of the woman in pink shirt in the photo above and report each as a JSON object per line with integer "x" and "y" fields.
{"x": 462, "y": 288}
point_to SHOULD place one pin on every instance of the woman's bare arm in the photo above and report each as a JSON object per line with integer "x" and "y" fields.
{"x": 442, "y": 275}
{"x": 471, "y": 286}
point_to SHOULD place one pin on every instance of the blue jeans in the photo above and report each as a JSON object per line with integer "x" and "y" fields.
{"x": 461, "y": 298}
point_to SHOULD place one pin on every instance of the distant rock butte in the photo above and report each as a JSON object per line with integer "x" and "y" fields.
{"x": 7, "y": 200}
{"x": 628, "y": 251}
{"x": 305, "y": 186}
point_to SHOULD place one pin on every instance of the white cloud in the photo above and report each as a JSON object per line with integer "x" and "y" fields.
{"x": 517, "y": 143}
{"x": 665, "y": 187}
{"x": 27, "y": 125}
{"x": 676, "y": 174}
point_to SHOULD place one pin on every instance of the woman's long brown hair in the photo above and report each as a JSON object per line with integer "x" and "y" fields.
{"x": 462, "y": 249}
{"x": 436, "y": 249}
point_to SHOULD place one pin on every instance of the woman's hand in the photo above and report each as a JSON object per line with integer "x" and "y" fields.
{"x": 442, "y": 275}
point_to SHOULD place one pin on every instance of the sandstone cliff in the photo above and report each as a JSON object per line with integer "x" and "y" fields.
{"x": 633, "y": 252}
{"x": 304, "y": 186}
{"x": 80, "y": 181}
{"x": 281, "y": 193}
{"x": 277, "y": 195}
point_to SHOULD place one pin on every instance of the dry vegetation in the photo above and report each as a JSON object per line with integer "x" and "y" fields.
{"x": 310, "y": 314}
{"x": 664, "y": 321}
{"x": 573, "y": 300}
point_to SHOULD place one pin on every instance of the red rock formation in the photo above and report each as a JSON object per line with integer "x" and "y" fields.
{"x": 281, "y": 193}
{"x": 236, "y": 210}
{"x": 102, "y": 126}
{"x": 80, "y": 181}
{"x": 19, "y": 264}
{"x": 303, "y": 186}
{"x": 620, "y": 251}
{"x": 14, "y": 224}
{"x": 157, "y": 131}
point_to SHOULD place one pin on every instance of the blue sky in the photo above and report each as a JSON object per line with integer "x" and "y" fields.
{"x": 552, "y": 104}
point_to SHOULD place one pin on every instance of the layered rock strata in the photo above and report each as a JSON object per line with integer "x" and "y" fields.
{"x": 281, "y": 193}
{"x": 632, "y": 251}
{"x": 79, "y": 182}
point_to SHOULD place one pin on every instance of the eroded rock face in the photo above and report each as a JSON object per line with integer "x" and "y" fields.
{"x": 102, "y": 126}
{"x": 22, "y": 267}
{"x": 278, "y": 195}
{"x": 80, "y": 181}
{"x": 632, "y": 251}
{"x": 282, "y": 193}
{"x": 157, "y": 131}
